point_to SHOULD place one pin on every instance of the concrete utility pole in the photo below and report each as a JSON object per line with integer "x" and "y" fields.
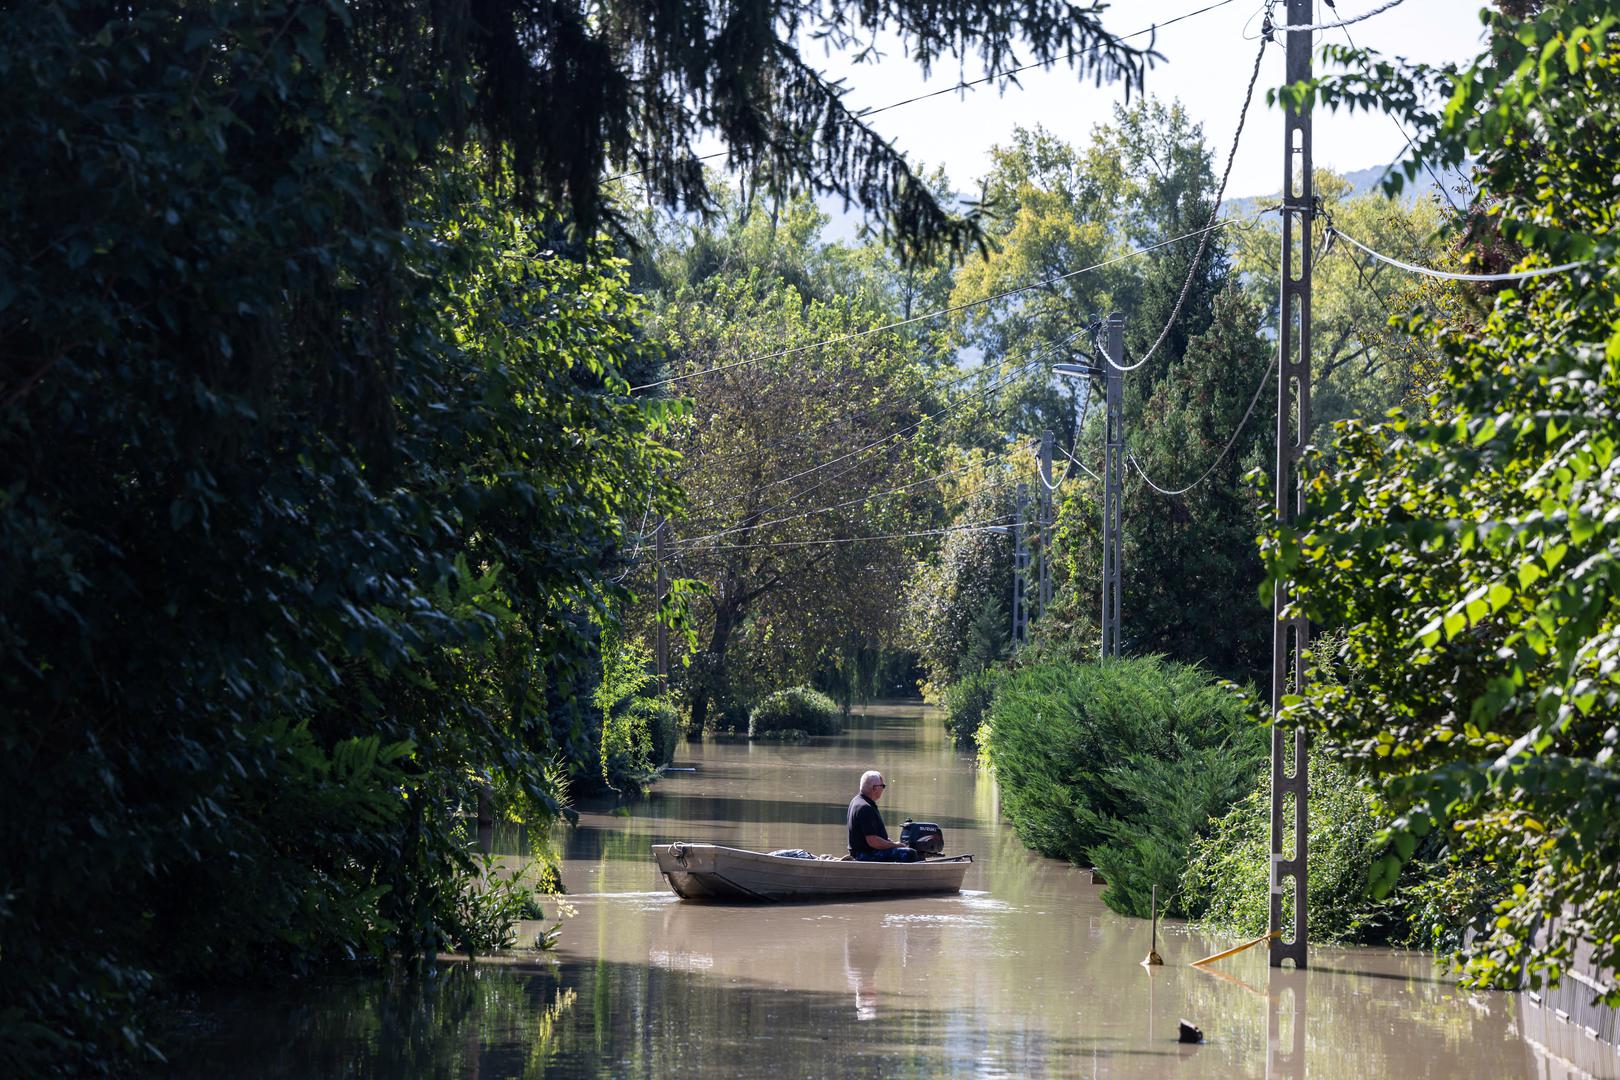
{"x": 1020, "y": 617}
{"x": 1048, "y": 520}
{"x": 1113, "y": 483}
{"x": 661, "y": 633}
{"x": 1290, "y": 637}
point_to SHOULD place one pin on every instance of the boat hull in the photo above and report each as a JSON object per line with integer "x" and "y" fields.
{"x": 713, "y": 872}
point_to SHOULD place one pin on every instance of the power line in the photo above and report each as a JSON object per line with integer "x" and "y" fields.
{"x": 1214, "y": 214}
{"x": 990, "y": 525}
{"x": 932, "y": 387}
{"x": 1079, "y": 426}
{"x": 1264, "y": 379}
{"x": 995, "y": 386}
{"x": 847, "y": 502}
{"x": 992, "y": 77}
{"x": 1083, "y": 467}
{"x": 953, "y": 309}
{"x": 1005, "y": 380}
{"x": 1363, "y": 17}
{"x": 1447, "y": 275}
{"x": 1444, "y": 193}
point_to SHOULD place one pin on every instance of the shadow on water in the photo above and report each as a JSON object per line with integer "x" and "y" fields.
{"x": 607, "y": 1019}
{"x": 667, "y": 810}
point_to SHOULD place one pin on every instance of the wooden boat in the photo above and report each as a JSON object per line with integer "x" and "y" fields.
{"x": 712, "y": 872}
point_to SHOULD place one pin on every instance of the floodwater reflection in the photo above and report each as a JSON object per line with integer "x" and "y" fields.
{"x": 1026, "y": 973}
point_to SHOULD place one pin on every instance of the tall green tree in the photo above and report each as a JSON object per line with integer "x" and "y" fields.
{"x": 1192, "y": 571}
{"x": 957, "y": 615}
{"x": 1141, "y": 180}
{"x": 1361, "y": 365}
{"x": 1192, "y": 568}
{"x": 1473, "y": 551}
{"x": 786, "y": 462}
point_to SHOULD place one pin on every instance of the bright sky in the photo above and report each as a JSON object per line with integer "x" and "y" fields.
{"x": 1206, "y": 65}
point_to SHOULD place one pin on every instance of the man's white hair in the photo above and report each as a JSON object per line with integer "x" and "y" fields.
{"x": 868, "y": 778}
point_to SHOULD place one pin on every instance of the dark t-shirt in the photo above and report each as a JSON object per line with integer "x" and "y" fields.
{"x": 864, "y": 820}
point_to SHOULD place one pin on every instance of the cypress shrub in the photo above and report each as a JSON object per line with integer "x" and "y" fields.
{"x": 797, "y": 708}
{"x": 1120, "y": 765}
{"x": 967, "y": 700}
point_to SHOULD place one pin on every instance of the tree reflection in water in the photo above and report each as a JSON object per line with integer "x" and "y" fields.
{"x": 1026, "y": 973}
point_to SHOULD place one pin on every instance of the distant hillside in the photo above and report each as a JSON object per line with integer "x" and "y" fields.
{"x": 1369, "y": 181}
{"x": 844, "y": 224}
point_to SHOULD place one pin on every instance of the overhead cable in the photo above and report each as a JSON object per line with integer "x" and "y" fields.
{"x": 824, "y": 509}
{"x": 813, "y": 384}
{"x": 1363, "y": 17}
{"x": 993, "y": 387}
{"x": 1083, "y": 468}
{"x": 1079, "y": 426}
{"x": 953, "y": 309}
{"x": 992, "y": 77}
{"x": 1214, "y": 216}
{"x": 989, "y": 525}
{"x": 1264, "y": 379}
{"x": 847, "y": 502}
{"x": 1444, "y": 192}
{"x": 1517, "y": 275}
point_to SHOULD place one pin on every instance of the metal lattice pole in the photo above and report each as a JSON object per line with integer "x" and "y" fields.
{"x": 1290, "y": 789}
{"x": 661, "y": 633}
{"x": 1020, "y": 617}
{"x": 1044, "y": 592}
{"x": 1113, "y": 483}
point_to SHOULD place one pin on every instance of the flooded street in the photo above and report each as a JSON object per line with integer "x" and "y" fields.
{"x": 1026, "y": 973}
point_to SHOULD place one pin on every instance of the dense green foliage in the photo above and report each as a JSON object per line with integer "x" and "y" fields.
{"x": 1228, "y": 876}
{"x": 956, "y": 602}
{"x": 1473, "y": 551}
{"x": 658, "y": 724}
{"x": 1119, "y": 765}
{"x": 967, "y": 703}
{"x": 1363, "y": 363}
{"x": 639, "y": 729}
{"x": 767, "y": 522}
{"x": 1191, "y": 569}
{"x": 298, "y": 538}
{"x": 796, "y": 709}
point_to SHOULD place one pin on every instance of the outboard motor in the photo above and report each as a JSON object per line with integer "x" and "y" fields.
{"x": 924, "y": 837}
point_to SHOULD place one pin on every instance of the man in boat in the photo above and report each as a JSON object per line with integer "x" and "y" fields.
{"x": 868, "y": 839}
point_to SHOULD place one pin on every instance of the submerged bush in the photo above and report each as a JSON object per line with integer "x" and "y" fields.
{"x": 800, "y": 707}
{"x": 1226, "y": 885}
{"x": 967, "y": 700}
{"x": 1227, "y": 880}
{"x": 1120, "y": 765}
{"x": 661, "y": 722}
{"x": 638, "y": 732}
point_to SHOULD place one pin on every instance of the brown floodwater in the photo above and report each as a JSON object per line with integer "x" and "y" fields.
{"x": 1025, "y": 973}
